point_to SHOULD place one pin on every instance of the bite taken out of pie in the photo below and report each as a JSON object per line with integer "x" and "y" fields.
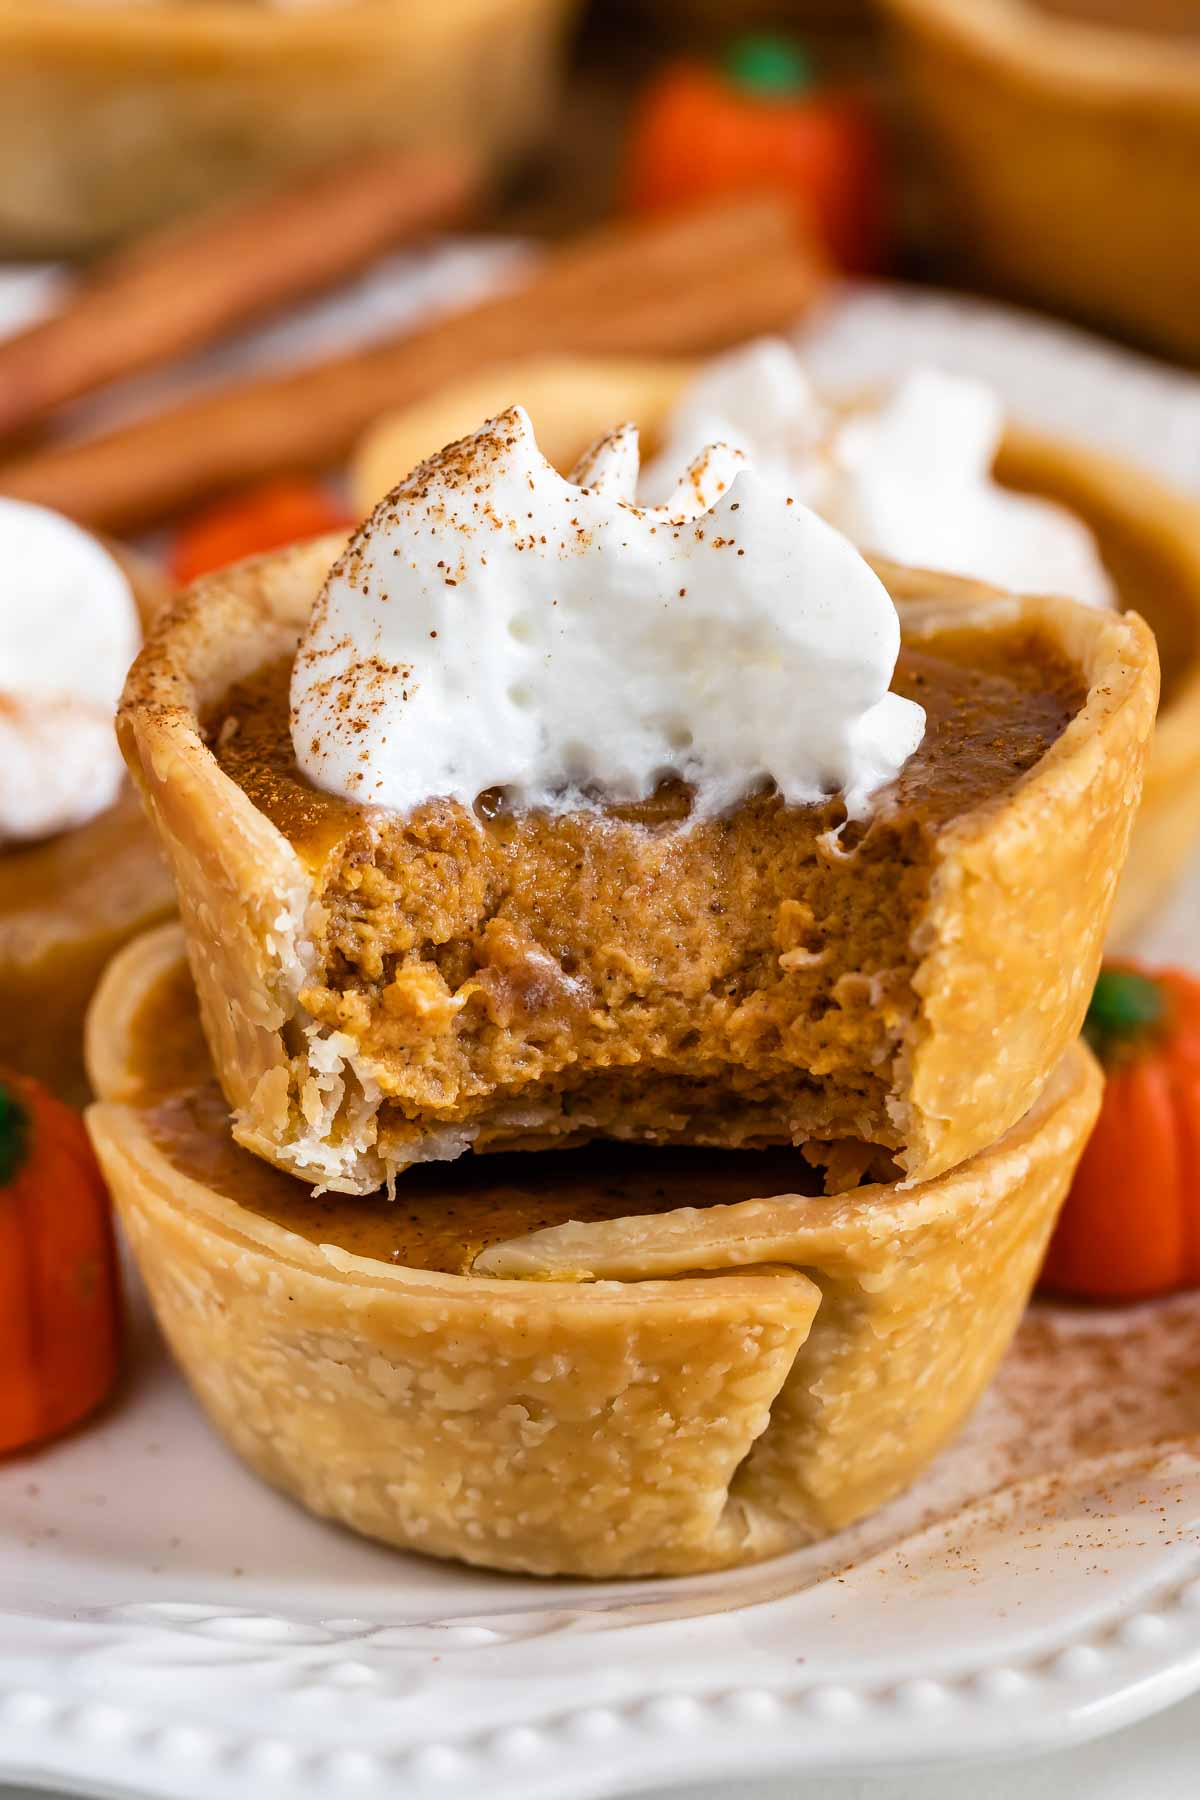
{"x": 886, "y": 978}
{"x": 611, "y": 1361}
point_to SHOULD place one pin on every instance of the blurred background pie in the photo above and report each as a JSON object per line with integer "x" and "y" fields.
{"x": 71, "y": 897}
{"x": 1145, "y": 534}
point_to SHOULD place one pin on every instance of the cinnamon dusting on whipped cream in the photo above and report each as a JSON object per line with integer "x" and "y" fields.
{"x": 493, "y": 625}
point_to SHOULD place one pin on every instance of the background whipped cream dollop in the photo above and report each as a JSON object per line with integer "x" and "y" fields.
{"x": 69, "y": 630}
{"x": 908, "y": 476}
{"x": 495, "y": 625}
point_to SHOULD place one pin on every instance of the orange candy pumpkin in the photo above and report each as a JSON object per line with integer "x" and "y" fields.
{"x": 761, "y": 120}
{"x": 1131, "y": 1226}
{"x": 267, "y": 517}
{"x": 59, "y": 1297}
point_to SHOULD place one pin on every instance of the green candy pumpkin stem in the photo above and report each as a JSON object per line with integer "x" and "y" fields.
{"x": 769, "y": 67}
{"x": 14, "y": 1134}
{"x": 1126, "y": 1009}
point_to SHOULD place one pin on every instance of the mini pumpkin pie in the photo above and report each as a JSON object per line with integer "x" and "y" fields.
{"x": 602, "y": 1362}
{"x": 882, "y": 971}
{"x": 1108, "y": 524}
{"x": 118, "y": 116}
{"x": 80, "y": 873}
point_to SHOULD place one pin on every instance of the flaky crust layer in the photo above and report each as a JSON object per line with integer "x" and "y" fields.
{"x": 657, "y": 1395}
{"x": 1009, "y": 943}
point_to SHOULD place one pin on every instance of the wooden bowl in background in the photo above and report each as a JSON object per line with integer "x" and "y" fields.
{"x": 1068, "y": 146}
{"x": 67, "y": 904}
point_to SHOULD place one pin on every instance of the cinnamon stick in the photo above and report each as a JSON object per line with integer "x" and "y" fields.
{"x": 683, "y": 286}
{"x": 189, "y": 286}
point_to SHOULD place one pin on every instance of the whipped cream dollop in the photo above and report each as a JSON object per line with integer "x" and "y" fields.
{"x": 494, "y": 625}
{"x": 909, "y": 477}
{"x": 69, "y": 630}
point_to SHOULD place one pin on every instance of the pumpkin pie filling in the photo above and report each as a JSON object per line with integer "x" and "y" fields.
{"x": 524, "y": 979}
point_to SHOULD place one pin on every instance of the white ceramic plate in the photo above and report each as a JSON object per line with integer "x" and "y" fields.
{"x": 172, "y": 1629}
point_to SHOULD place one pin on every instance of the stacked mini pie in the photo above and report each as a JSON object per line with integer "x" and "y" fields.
{"x": 611, "y": 1189}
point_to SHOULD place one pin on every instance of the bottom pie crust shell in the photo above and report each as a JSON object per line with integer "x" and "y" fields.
{"x": 659, "y": 1395}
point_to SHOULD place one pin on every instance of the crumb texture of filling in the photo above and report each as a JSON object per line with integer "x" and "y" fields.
{"x": 624, "y": 971}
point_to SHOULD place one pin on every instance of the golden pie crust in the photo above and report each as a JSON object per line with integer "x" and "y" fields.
{"x": 656, "y": 1395}
{"x": 1006, "y": 943}
{"x": 69, "y": 902}
{"x": 1147, "y": 533}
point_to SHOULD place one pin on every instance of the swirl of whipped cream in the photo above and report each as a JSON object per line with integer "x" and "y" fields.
{"x": 909, "y": 477}
{"x": 69, "y": 630}
{"x": 494, "y": 625}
